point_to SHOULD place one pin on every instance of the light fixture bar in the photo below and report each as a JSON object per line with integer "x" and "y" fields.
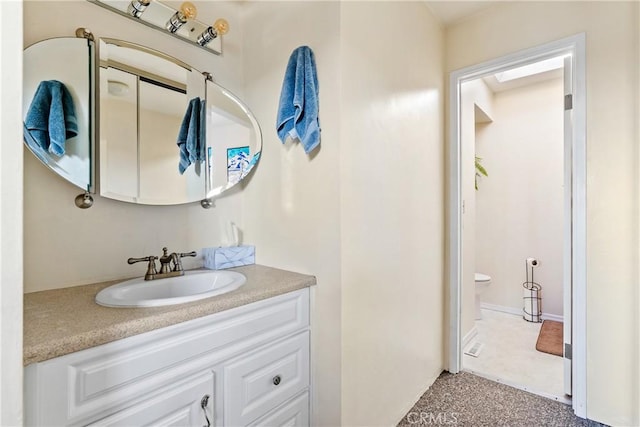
{"x": 156, "y": 15}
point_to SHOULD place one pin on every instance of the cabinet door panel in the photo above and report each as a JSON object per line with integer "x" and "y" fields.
{"x": 292, "y": 414}
{"x": 265, "y": 379}
{"x": 178, "y": 404}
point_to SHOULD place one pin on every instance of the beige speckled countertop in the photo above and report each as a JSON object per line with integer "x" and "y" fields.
{"x": 61, "y": 321}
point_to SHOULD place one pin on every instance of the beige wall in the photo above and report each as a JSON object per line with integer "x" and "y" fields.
{"x": 391, "y": 178}
{"x": 519, "y": 207}
{"x": 291, "y": 207}
{"x": 612, "y": 180}
{"x": 66, "y": 246}
{"x": 476, "y": 104}
{"x": 353, "y": 213}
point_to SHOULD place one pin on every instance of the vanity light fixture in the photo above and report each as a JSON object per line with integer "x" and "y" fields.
{"x": 137, "y": 7}
{"x": 187, "y": 11}
{"x": 219, "y": 28}
{"x": 163, "y": 17}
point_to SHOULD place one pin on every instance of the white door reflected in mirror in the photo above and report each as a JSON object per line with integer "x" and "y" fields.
{"x": 146, "y": 107}
{"x": 143, "y": 99}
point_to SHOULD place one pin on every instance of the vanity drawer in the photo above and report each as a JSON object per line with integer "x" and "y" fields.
{"x": 294, "y": 413}
{"x": 265, "y": 379}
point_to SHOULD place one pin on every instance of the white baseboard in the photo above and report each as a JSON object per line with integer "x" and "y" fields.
{"x": 518, "y": 311}
{"x": 469, "y": 337}
{"x": 549, "y": 316}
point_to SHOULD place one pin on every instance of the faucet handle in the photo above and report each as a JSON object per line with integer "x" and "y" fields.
{"x": 177, "y": 263}
{"x": 151, "y": 267}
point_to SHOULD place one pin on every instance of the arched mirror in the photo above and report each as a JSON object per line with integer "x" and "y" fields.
{"x": 57, "y": 106}
{"x": 166, "y": 133}
{"x": 234, "y": 140}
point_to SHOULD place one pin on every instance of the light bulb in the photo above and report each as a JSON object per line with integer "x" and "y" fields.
{"x": 219, "y": 28}
{"x": 187, "y": 11}
{"x": 222, "y": 26}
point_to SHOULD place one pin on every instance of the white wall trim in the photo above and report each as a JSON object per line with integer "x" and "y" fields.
{"x": 11, "y": 151}
{"x": 555, "y": 317}
{"x": 574, "y": 45}
{"x": 579, "y": 235}
{"x": 518, "y": 311}
{"x": 470, "y": 336}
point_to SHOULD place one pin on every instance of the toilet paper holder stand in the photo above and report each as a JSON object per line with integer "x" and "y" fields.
{"x": 532, "y": 295}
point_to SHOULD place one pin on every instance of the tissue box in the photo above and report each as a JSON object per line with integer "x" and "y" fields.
{"x": 228, "y": 256}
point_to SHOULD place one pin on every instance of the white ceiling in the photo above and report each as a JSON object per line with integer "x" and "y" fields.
{"x": 451, "y": 11}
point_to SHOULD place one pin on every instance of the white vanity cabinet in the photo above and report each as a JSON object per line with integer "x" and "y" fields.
{"x": 245, "y": 366}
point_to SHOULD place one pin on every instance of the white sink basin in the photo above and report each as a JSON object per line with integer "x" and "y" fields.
{"x": 194, "y": 285}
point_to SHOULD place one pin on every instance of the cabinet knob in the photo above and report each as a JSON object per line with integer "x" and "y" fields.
{"x": 276, "y": 380}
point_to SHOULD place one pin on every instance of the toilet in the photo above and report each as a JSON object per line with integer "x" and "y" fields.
{"x": 482, "y": 282}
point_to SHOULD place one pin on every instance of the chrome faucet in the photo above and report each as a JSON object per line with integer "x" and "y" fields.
{"x": 165, "y": 264}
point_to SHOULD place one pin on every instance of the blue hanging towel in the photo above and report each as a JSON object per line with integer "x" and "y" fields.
{"x": 191, "y": 135}
{"x": 51, "y": 119}
{"x": 298, "y": 108}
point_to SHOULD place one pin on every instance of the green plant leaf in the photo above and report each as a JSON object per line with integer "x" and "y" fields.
{"x": 480, "y": 170}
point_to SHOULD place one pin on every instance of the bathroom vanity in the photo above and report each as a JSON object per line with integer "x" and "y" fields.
{"x": 238, "y": 359}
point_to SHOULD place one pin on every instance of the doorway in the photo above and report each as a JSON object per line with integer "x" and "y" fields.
{"x": 574, "y": 234}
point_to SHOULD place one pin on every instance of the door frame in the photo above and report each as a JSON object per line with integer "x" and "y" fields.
{"x": 576, "y": 141}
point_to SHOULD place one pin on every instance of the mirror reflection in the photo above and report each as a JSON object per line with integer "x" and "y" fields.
{"x": 234, "y": 139}
{"x": 167, "y": 134}
{"x": 63, "y": 145}
{"x": 143, "y": 99}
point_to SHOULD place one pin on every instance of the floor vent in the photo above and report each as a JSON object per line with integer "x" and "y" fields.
{"x": 475, "y": 349}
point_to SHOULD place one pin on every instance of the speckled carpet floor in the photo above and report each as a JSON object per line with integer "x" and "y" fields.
{"x": 465, "y": 399}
